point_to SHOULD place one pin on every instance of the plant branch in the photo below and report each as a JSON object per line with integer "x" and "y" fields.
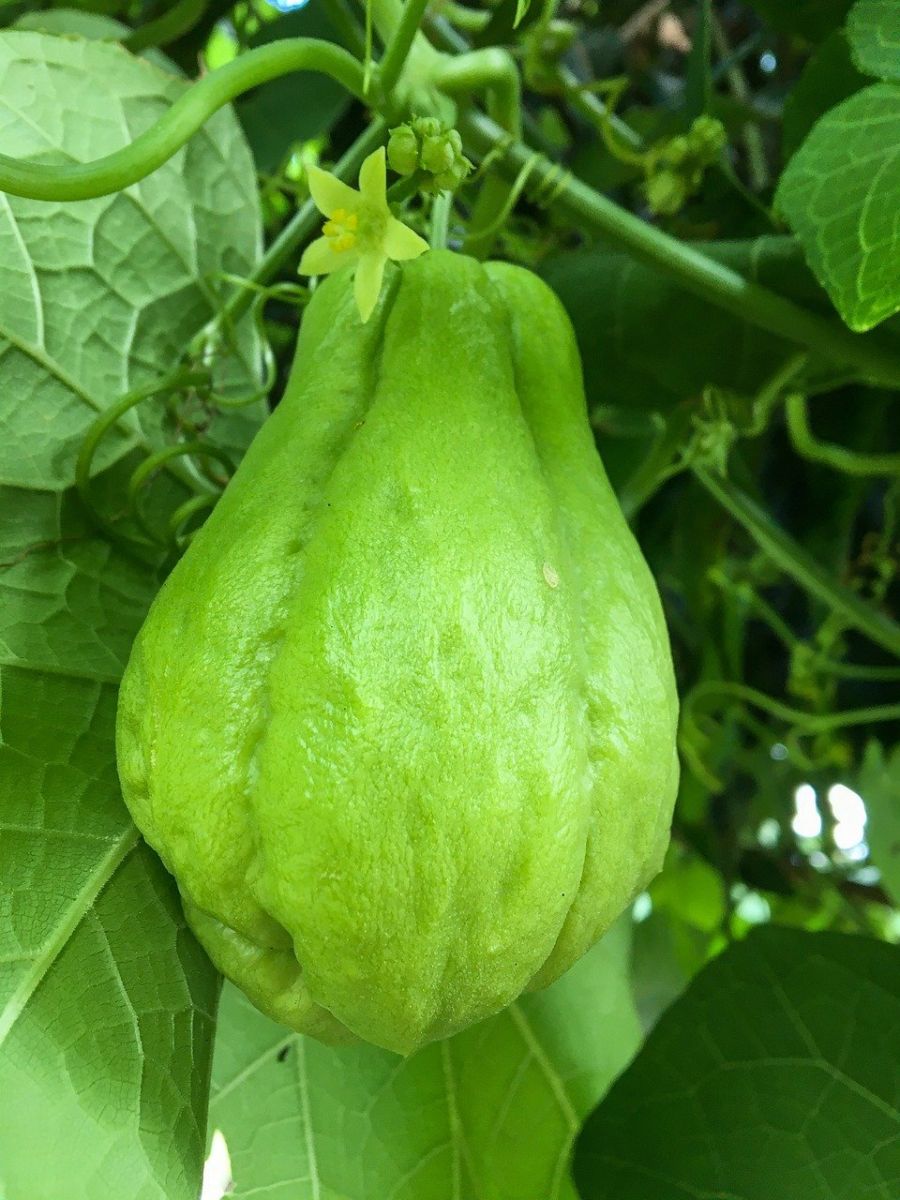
{"x": 756, "y": 155}
{"x": 809, "y": 723}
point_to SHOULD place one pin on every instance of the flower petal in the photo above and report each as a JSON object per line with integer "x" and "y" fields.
{"x": 367, "y": 284}
{"x": 401, "y": 242}
{"x": 329, "y": 193}
{"x": 321, "y": 258}
{"x": 373, "y": 179}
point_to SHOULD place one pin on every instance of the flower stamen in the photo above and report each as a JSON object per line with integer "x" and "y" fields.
{"x": 341, "y": 230}
{"x": 361, "y": 231}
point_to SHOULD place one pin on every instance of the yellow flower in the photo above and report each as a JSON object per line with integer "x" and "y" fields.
{"x": 360, "y": 229}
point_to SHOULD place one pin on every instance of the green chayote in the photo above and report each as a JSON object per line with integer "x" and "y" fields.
{"x": 402, "y": 720}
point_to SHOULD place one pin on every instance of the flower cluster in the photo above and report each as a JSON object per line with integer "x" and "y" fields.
{"x": 675, "y": 170}
{"x": 425, "y": 144}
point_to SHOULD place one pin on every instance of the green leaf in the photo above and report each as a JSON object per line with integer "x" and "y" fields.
{"x": 873, "y": 28}
{"x": 487, "y": 1115}
{"x": 106, "y": 1000}
{"x": 775, "y": 1074}
{"x": 840, "y": 193}
{"x": 100, "y": 296}
{"x": 828, "y": 78}
{"x": 811, "y": 19}
{"x": 879, "y": 786}
{"x": 66, "y": 22}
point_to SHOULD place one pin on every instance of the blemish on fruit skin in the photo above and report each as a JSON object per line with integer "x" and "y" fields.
{"x": 551, "y": 576}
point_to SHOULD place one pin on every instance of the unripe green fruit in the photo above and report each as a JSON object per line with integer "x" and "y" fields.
{"x": 402, "y": 720}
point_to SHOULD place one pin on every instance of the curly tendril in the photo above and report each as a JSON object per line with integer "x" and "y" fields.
{"x": 208, "y": 343}
{"x": 182, "y": 515}
{"x": 189, "y": 460}
{"x": 512, "y": 198}
{"x": 142, "y": 475}
{"x": 177, "y": 381}
{"x": 543, "y": 193}
{"x": 839, "y": 458}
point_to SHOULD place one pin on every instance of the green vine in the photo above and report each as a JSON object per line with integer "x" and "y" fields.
{"x": 82, "y": 181}
{"x": 169, "y": 26}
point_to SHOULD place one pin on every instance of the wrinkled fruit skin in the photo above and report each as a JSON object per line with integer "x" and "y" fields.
{"x": 402, "y": 721}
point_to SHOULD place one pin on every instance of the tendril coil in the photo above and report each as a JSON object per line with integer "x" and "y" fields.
{"x": 192, "y": 460}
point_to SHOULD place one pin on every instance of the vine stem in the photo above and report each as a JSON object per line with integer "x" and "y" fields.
{"x": 83, "y": 181}
{"x": 816, "y": 658}
{"x": 399, "y": 43}
{"x": 781, "y": 548}
{"x": 491, "y": 70}
{"x": 440, "y": 220}
{"x": 387, "y": 16}
{"x": 699, "y": 274}
{"x": 175, "y": 21}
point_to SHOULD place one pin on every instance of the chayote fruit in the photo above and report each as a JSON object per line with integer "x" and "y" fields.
{"x": 402, "y": 721}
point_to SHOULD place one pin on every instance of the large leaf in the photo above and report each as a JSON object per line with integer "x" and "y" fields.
{"x": 873, "y": 28}
{"x": 776, "y": 1074}
{"x": 98, "y": 295}
{"x": 106, "y": 1000}
{"x": 841, "y": 194}
{"x": 487, "y": 1115}
{"x": 828, "y": 78}
{"x": 87, "y": 24}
